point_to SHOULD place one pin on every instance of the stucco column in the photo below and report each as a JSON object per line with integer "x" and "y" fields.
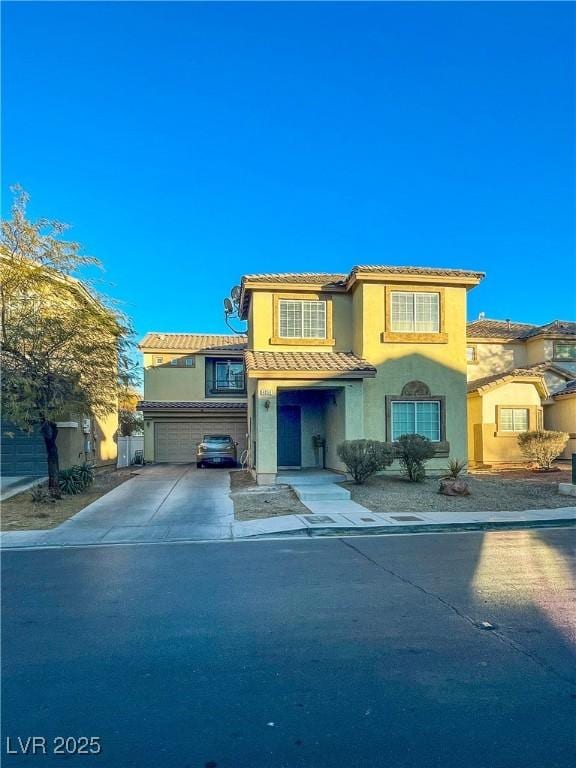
{"x": 354, "y": 411}
{"x": 266, "y": 432}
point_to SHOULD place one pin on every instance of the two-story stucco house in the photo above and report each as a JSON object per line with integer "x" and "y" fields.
{"x": 521, "y": 377}
{"x": 375, "y": 353}
{"x": 194, "y": 384}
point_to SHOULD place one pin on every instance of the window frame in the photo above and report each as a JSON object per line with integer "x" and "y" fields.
{"x": 220, "y": 389}
{"x": 510, "y": 432}
{"x": 474, "y": 348}
{"x": 190, "y": 362}
{"x": 158, "y": 359}
{"x": 563, "y": 359}
{"x": 276, "y": 338}
{"x": 414, "y": 337}
{"x": 415, "y": 402}
{"x": 442, "y": 446}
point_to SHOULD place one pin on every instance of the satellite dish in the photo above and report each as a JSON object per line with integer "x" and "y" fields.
{"x": 235, "y": 293}
{"x": 228, "y": 306}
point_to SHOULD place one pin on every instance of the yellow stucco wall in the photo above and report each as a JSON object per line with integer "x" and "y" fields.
{"x": 486, "y": 444}
{"x": 165, "y": 383}
{"x": 358, "y": 325}
{"x": 495, "y": 357}
{"x": 261, "y": 323}
{"x": 442, "y": 366}
{"x": 71, "y": 441}
{"x": 561, "y": 415}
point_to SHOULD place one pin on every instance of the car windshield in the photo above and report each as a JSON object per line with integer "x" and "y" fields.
{"x": 217, "y": 439}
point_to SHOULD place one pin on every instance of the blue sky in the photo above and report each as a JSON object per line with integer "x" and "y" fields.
{"x": 188, "y": 143}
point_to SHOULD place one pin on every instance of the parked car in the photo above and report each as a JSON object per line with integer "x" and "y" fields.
{"x": 216, "y": 449}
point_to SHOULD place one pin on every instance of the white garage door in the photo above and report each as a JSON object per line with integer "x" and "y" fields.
{"x": 175, "y": 441}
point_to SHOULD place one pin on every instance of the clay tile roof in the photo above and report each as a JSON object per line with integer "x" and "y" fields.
{"x": 555, "y": 328}
{"x": 424, "y": 271}
{"x": 198, "y": 405}
{"x": 315, "y": 278}
{"x": 535, "y": 371}
{"x": 194, "y": 342}
{"x": 497, "y": 329}
{"x": 569, "y": 389}
{"x": 321, "y": 362}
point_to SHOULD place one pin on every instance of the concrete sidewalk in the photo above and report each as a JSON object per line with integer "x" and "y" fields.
{"x": 325, "y": 523}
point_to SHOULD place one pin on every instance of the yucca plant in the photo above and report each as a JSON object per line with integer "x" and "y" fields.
{"x": 69, "y": 481}
{"x": 455, "y": 468}
{"x": 85, "y": 474}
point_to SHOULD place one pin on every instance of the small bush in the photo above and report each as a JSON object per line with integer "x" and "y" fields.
{"x": 413, "y": 451}
{"x": 70, "y": 482}
{"x": 86, "y": 475}
{"x": 41, "y": 495}
{"x": 455, "y": 468}
{"x": 542, "y": 446}
{"x": 364, "y": 457}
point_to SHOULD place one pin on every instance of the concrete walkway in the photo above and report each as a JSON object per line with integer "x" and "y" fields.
{"x": 167, "y": 502}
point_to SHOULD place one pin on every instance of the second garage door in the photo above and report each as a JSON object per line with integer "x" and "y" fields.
{"x": 175, "y": 441}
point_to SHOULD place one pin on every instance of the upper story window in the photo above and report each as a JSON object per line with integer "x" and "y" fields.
{"x": 190, "y": 362}
{"x": 302, "y": 319}
{"x": 158, "y": 360}
{"x": 416, "y": 312}
{"x": 229, "y": 376}
{"x": 564, "y": 350}
{"x": 174, "y": 361}
{"x": 471, "y": 353}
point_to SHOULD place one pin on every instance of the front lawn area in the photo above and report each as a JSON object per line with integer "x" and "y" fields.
{"x": 252, "y": 502}
{"x": 489, "y": 492}
{"x": 20, "y": 513}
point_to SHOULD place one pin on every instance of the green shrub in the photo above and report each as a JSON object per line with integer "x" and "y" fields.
{"x": 86, "y": 474}
{"x": 413, "y": 451}
{"x": 69, "y": 481}
{"x": 542, "y": 446}
{"x": 364, "y": 457}
{"x": 455, "y": 468}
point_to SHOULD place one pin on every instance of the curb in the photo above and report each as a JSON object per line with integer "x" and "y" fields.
{"x": 378, "y": 530}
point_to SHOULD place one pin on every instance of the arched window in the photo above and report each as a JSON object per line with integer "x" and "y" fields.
{"x": 415, "y": 389}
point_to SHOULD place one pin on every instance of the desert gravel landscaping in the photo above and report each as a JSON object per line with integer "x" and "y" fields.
{"x": 494, "y": 492}
{"x": 20, "y": 513}
{"x": 252, "y": 502}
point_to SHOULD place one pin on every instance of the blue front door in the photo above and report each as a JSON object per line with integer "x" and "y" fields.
{"x": 289, "y": 436}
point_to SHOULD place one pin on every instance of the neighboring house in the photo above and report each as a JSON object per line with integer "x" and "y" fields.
{"x": 194, "y": 384}
{"x": 375, "y": 353}
{"x": 81, "y": 438}
{"x": 520, "y": 377}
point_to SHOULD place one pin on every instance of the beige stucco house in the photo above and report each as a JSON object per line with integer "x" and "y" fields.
{"x": 375, "y": 353}
{"x": 520, "y": 377}
{"x": 194, "y": 384}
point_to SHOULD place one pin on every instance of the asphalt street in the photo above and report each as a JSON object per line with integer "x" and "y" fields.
{"x": 431, "y": 650}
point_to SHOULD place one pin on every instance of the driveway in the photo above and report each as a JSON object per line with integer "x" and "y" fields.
{"x": 165, "y": 502}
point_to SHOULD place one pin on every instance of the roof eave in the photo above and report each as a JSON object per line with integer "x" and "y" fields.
{"x": 308, "y": 375}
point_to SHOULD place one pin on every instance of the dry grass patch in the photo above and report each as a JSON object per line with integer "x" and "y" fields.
{"x": 253, "y": 502}
{"x": 489, "y": 492}
{"x": 20, "y": 513}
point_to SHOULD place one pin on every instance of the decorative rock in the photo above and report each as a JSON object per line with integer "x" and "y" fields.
{"x": 451, "y": 487}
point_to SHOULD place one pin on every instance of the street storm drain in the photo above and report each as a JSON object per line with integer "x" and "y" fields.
{"x": 406, "y": 517}
{"x": 319, "y": 519}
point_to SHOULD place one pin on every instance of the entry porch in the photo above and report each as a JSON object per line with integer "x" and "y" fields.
{"x": 296, "y": 426}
